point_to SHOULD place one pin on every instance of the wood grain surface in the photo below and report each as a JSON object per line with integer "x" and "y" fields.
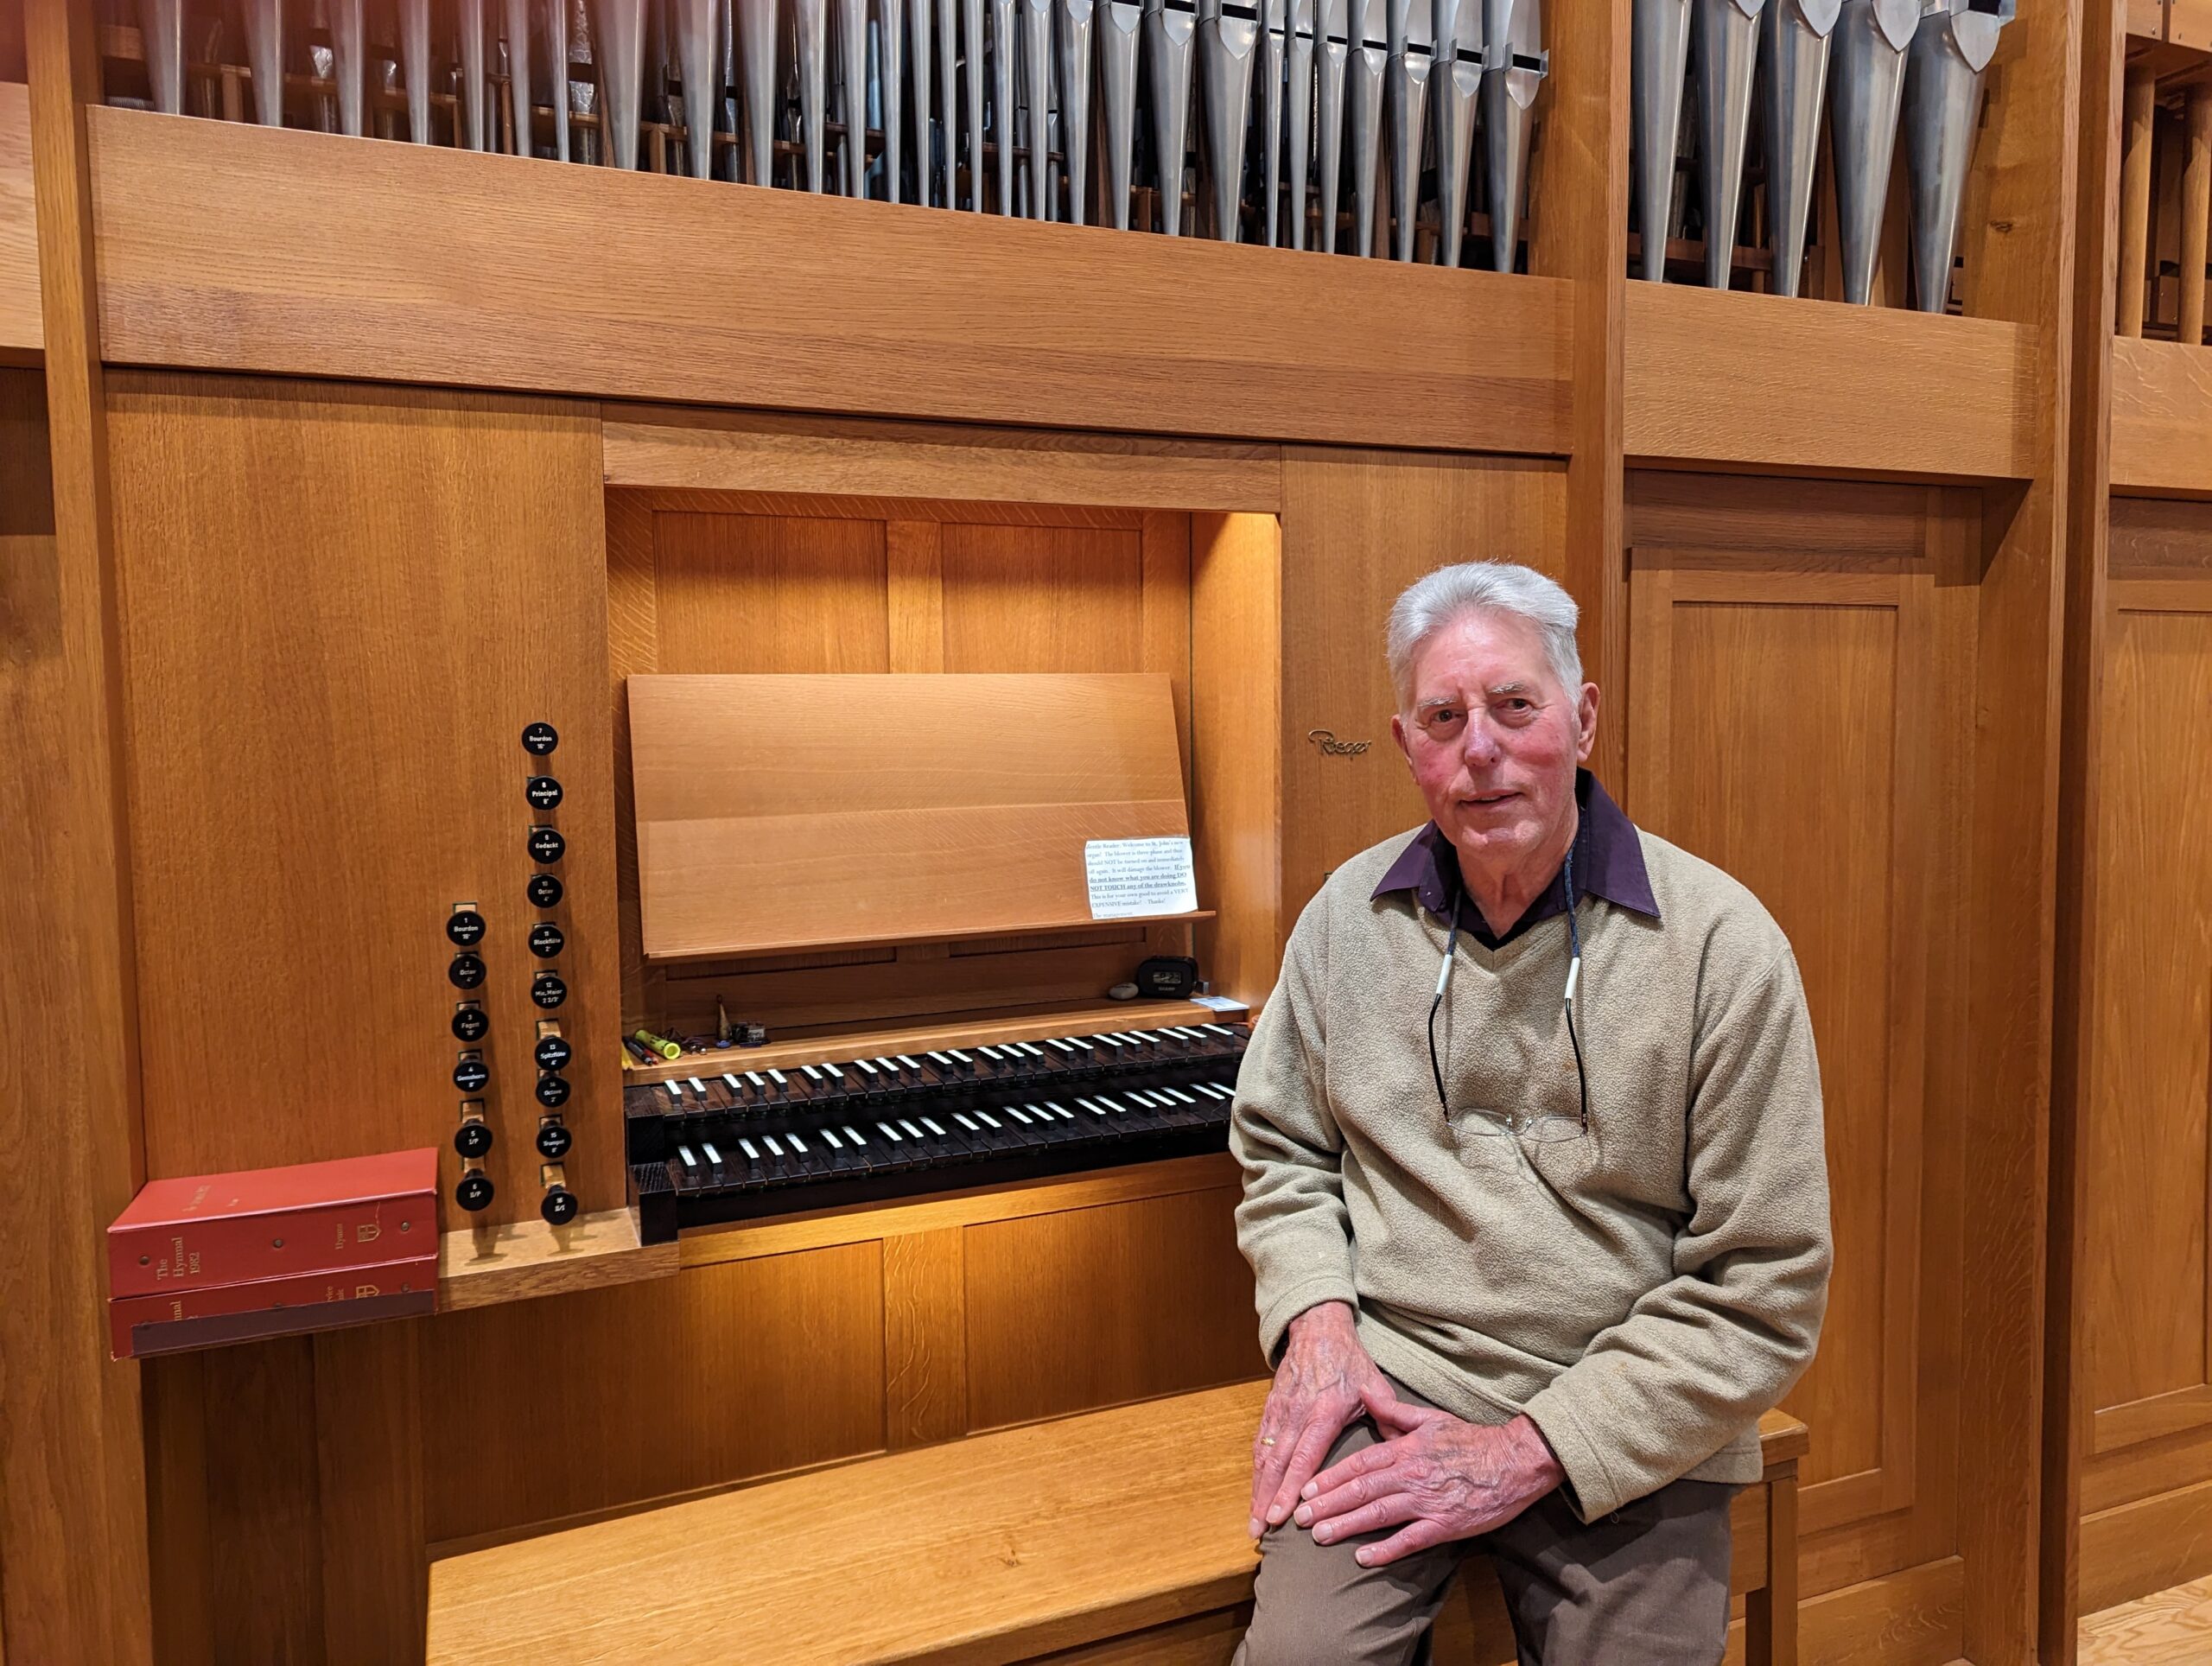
{"x": 1723, "y": 378}
{"x": 23, "y": 328}
{"x": 515, "y": 1260}
{"x": 2171, "y": 1627}
{"x": 232, "y": 246}
{"x": 2161, "y": 412}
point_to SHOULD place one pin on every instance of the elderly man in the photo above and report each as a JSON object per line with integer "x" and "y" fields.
{"x": 1534, "y": 1190}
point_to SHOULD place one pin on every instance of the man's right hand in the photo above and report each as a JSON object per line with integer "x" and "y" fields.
{"x": 1324, "y": 1382}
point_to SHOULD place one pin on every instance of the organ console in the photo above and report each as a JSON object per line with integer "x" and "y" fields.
{"x": 739, "y": 1143}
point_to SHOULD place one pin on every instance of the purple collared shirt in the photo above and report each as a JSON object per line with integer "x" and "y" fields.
{"x": 1608, "y": 863}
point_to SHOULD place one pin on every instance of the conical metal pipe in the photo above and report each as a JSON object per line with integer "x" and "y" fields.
{"x": 1005, "y": 50}
{"x": 1170, "y": 39}
{"x": 1037, "y": 101}
{"x": 921, "y": 37}
{"x": 161, "y": 26}
{"x": 1298, "y": 114}
{"x": 618, "y": 42}
{"x": 1228, "y": 44}
{"x": 1366, "y": 69}
{"x": 948, "y": 92}
{"x": 349, "y": 64}
{"x": 1411, "y": 66}
{"x": 891, "y": 90}
{"x": 1120, "y": 26}
{"x": 557, "y": 58}
{"x": 759, "y": 41}
{"x": 1078, "y": 19}
{"x": 1332, "y": 49}
{"x": 698, "y": 60}
{"x": 971, "y": 26}
{"x": 1456, "y": 85}
{"x": 265, "y": 53}
{"x": 470, "y": 27}
{"x": 811, "y": 21}
{"x": 1943, "y": 109}
{"x": 1795, "y": 36}
{"x": 515, "y": 28}
{"x": 1514, "y": 65}
{"x": 1866, "y": 87}
{"x": 1728, "y": 34}
{"x": 415, "y": 66}
{"x": 852, "y": 70}
{"x": 1658, "y": 63}
{"x": 1272, "y": 47}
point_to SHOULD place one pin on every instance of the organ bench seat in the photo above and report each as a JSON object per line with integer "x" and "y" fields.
{"x": 1111, "y": 1535}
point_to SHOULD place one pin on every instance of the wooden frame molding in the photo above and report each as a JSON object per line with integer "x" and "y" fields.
{"x": 1718, "y": 377}
{"x": 231, "y": 246}
{"x": 23, "y": 328}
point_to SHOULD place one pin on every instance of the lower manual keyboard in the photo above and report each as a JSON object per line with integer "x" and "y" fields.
{"x": 905, "y": 1128}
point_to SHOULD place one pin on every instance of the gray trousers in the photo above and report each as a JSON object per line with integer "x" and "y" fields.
{"x": 1648, "y": 1584}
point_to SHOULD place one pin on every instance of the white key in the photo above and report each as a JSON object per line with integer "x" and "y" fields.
{"x": 933, "y": 1127}
{"x": 777, "y": 1077}
{"x": 684, "y": 1152}
{"x": 698, "y": 1087}
{"x": 854, "y": 1134}
{"x": 713, "y": 1155}
{"x": 1092, "y": 1106}
{"x": 1179, "y": 1094}
{"x": 989, "y": 1119}
{"x": 910, "y": 1064}
{"x": 1113, "y": 1105}
{"x": 831, "y": 1135}
{"x": 991, "y": 1053}
{"x": 769, "y": 1140}
{"x": 910, "y": 1128}
{"x": 890, "y": 1133}
{"x": 812, "y": 1074}
{"x": 1011, "y": 1112}
{"x": 962, "y": 1119}
{"x": 939, "y": 1059}
{"x": 797, "y": 1144}
{"x": 752, "y": 1152}
{"x": 961, "y": 1056}
{"x": 1052, "y": 1041}
{"x": 730, "y": 1081}
{"x": 674, "y": 1092}
{"x": 759, "y": 1082}
{"x": 1221, "y": 1030}
{"x": 1031, "y": 1048}
{"x": 867, "y": 1068}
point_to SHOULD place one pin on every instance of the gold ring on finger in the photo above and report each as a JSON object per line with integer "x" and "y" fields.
{"x": 1267, "y": 1439}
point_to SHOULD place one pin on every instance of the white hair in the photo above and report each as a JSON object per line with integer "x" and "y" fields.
{"x": 1430, "y": 604}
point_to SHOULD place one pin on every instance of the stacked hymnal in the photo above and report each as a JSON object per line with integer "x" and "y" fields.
{"x": 218, "y": 1258}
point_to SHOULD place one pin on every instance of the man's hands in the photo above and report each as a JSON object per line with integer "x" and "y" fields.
{"x": 1324, "y": 1381}
{"x": 1442, "y": 1477}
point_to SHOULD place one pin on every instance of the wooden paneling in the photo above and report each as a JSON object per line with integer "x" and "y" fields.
{"x": 756, "y": 451}
{"x": 73, "y": 1505}
{"x": 2173, "y": 1628}
{"x": 536, "y": 1411}
{"x": 223, "y": 244}
{"x": 1794, "y": 643}
{"x": 2161, "y": 412}
{"x": 1145, "y": 1298}
{"x": 1357, "y": 528}
{"x": 23, "y": 330}
{"x": 328, "y": 677}
{"x": 517, "y": 1260}
{"x": 1726, "y": 377}
{"x": 779, "y": 593}
{"x": 924, "y": 1336}
{"x": 2135, "y": 1549}
{"x": 369, "y": 1441}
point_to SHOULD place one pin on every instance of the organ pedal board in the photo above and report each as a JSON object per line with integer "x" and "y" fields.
{"x": 739, "y": 1144}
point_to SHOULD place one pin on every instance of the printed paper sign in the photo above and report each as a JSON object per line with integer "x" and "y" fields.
{"x": 1131, "y": 877}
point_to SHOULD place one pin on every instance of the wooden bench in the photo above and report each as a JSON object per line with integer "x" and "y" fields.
{"x": 1114, "y": 1536}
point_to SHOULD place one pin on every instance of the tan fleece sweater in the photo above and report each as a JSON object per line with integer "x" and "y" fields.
{"x": 1642, "y": 1294}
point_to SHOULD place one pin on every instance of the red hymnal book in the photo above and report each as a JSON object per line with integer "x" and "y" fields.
{"x": 275, "y": 1223}
{"x": 270, "y": 1306}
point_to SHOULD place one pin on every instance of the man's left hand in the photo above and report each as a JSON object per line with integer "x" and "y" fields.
{"x": 1440, "y": 1477}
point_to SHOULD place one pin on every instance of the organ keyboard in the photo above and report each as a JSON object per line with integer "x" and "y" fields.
{"x": 737, "y": 1143}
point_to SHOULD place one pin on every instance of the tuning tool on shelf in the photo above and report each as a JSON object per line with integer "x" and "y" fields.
{"x": 473, "y": 1139}
{"x": 559, "y": 1205}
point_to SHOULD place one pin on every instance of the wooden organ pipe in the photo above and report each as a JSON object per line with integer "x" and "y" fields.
{"x": 2141, "y": 107}
{"x": 2196, "y": 214}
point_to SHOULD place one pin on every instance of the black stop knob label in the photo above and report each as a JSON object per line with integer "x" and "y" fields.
{"x": 538, "y": 739}
{"x": 474, "y": 1192}
{"x": 553, "y": 1140}
{"x": 552, "y": 1052}
{"x": 559, "y": 1207}
{"x": 469, "y": 1024}
{"x": 546, "y": 940}
{"x": 466, "y": 927}
{"x": 552, "y": 1090}
{"x": 544, "y": 891}
{"x": 546, "y": 845}
{"x": 547, "y": 990}
{"x": 465, "y": 971}
{"x": 473, "y": 1139}
{"x": 543, "y": 792}
{"x": 470, "y": 1075}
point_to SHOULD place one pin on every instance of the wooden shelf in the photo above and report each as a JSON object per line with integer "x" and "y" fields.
{"x": 951, "y": 1030}
{"x": 229, "y": 247}
{"x": 478, "y": 1266}
{"x": 1719, "y": 378}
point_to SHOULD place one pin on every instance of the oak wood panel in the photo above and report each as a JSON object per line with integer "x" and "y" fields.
{"x": 774, "y": 593}
{"x": 924, "y": 1336}
{"x": 2135, "y": 1549}
{"x": 1042, "y": 600}
{"x": 1093, "y": 1306}
{"x": 611, "y": 1398}
{"x": 791, "y": 812}
{"x": 225, "y": 244}
{"x": 2161, "y": 412}
{"x": 72, "y": 1505}
{"x": 22, "y": 329}
{"x": 2168, "y": 1628}
{"x": 329, "y": 676}
{"x": 264, "y": 1502}
{"x": 2161, "y": 1464}
{"x": 761, "y": 451}
{"x": 1729, "y": 378}
{"x": 1357, "y": 528}
{"x": 368, "y": 1404}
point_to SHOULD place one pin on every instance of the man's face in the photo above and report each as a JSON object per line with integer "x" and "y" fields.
{"x": 1493, "y": 737}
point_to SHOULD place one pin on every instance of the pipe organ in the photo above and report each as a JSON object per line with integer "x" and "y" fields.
{"x": 1200, "y": 122}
